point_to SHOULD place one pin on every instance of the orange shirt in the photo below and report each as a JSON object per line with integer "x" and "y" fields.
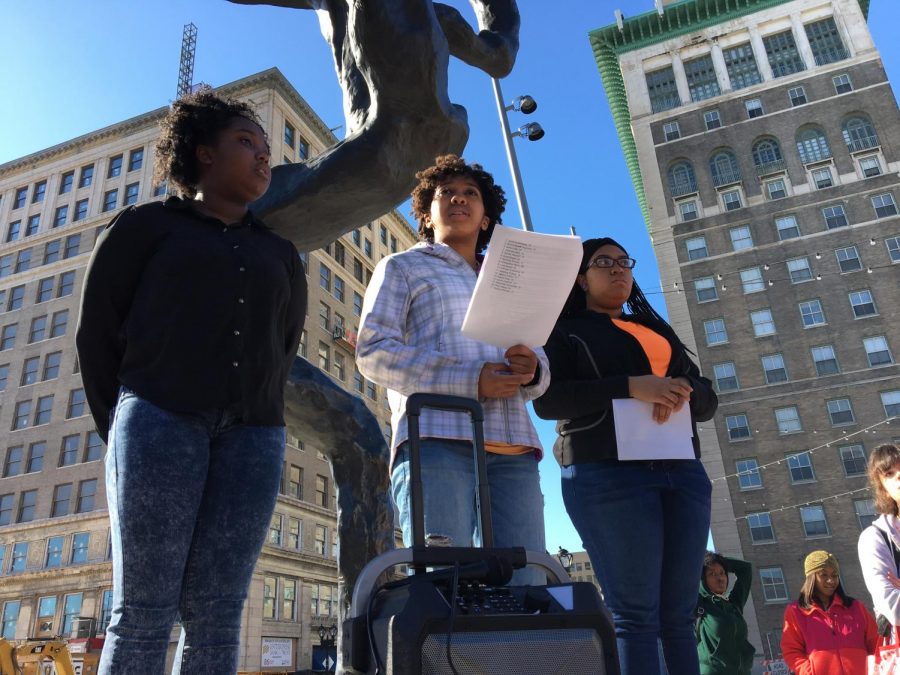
{"x": 656, "y": 347}
{"x": 499, "y": 448}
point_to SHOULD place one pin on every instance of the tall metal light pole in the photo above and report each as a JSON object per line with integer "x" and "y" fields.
{"x": 532, "y": 131}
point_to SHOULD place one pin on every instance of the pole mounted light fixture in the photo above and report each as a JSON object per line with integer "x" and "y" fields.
{"x": 532, "y": 131}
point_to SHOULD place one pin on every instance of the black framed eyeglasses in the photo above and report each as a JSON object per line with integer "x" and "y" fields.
{"x": 605, "y": 262}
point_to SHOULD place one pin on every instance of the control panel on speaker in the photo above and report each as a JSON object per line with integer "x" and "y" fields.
{"x": 475, "y": 598}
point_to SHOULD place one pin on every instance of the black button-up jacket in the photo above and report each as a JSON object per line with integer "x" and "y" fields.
{"x": 191, "y": 314}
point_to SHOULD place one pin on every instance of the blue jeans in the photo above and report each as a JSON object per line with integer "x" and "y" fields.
{"x": 190, "y": 499}
{"x": 448, "y": 478}
{"x": 645, "y": 526}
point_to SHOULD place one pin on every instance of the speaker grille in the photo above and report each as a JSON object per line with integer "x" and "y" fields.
{"x": 537, "y": 652}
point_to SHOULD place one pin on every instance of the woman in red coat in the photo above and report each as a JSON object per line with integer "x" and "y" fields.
{"x": 826, "y": 632}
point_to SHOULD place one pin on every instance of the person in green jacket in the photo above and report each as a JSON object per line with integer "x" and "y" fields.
{"x": 721, "y": 629}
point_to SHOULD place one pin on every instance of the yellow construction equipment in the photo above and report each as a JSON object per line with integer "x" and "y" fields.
{"x": 28, "y": 657}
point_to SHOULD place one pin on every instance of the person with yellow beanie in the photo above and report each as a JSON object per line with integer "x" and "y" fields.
{"x": 826, "y": 631}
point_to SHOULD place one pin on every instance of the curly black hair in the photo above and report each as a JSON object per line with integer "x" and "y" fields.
{"x": 450, "y": 166}
{"x": 195, "y": 119}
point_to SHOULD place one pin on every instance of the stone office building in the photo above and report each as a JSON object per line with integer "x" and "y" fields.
{"x": 763, "y": 139}
{"x": 54, "y": 529}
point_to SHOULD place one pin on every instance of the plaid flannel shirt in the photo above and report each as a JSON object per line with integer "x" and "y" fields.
{"x": 409, "y": 341}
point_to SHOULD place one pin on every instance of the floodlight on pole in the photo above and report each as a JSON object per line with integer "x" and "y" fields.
{"x": 532, "y": 131}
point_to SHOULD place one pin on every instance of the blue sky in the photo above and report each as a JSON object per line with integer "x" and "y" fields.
{"x": 70, "y": 68}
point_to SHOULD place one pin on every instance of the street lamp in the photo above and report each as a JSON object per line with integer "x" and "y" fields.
{"x": 327, "y": 635}
{"x": 531, "y": 131}
{"x": 565, "y": 558}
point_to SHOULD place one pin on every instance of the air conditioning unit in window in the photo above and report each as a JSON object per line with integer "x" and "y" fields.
{"x": 337, "y": 332}
{"x": 84, "y": 627}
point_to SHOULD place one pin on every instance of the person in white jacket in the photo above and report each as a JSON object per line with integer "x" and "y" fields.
{"x": 879, "y": 544}
{"x": 410, "y": 341}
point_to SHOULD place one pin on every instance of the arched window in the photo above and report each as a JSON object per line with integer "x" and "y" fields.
{"x": 766, "y": 151}
{"x": 724, "y": 168}
{"x": 682, "y": 179}
{"x": 859, "y": 133}
{"x": 812, "y": 145}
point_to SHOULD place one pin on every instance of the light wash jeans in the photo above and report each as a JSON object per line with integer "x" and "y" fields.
{"x": 645, "y": 526}
{"x": 190, "y": 499}
{"x": 448, "y": 478}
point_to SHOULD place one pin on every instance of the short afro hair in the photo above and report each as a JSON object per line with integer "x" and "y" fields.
{"x": 195, "y": 119}
{"x": 450, "y": 166}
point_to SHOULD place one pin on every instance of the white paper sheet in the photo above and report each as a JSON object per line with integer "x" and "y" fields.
{"x": 521, "y": 288}
{"x": 638, "y": 436}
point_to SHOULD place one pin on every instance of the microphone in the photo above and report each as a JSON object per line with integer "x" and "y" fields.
{"x": 492, "y": 571}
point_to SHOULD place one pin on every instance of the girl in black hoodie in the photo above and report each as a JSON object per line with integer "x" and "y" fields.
{"x": 643, "y": 523}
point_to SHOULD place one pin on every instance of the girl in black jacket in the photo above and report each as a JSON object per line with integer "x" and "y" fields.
{"x": 643, "y": 523}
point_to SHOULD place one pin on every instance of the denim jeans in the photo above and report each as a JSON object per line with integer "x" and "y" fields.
{"x": 645, "y": 526}
{"x": 190, "y": 499}
{"x": 448, "y": 479}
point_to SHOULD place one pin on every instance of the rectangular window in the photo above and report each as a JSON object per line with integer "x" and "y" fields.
{"x": 6, "y": 509}
{"x": 36, "y": 456}
{"x": 822, "y": 178}
{"x": 44, "y": 410}
{"x": 66, "y": 182}
{"x": 288, "y": 599}
{"x": 321, "y": 491}
{"x": 663, "y": 90}
{"x": 716, "y": 334}
{"x": 825, "y": 360}
{"x": 671, "y": 131}
{"x": 4, "y": 375}
{"x": 66, "y": 284}
{"x": 115, "y": 167}
{"x": 27, "y": 501}
{"x": 339, "y": 366}
{"x": 13, "y": 464}
{"x": 812, "y": 314}
{"x": 8, "y": 337}
{"x": 741, "y": 66}
{"x": 38, "y": 329}
{"x": 46, "y": 614}
{"x": 58, "y": 326}
{"x": 835, "y": 216}
{"x": 800, "y": 468}
{"x": 712, "y": 119}
{"x": 34, "y": 224}
{"x": 741, "y": 238}
{"x": 877, "y": 351}
{"x": 136, "y": 159}
{"x": 754, "y": 108}
{"x": 773, "y": 585}
{"x": 752, "y": 281}
{"x": 382, "y": 230}
{"x": 891, "y": 402}
{"x": 814, "y": 522}
{"x": 701, "y": 78}
{"x": 321, "y": 540}
{"x": 87, "y": 176}
{"x": 731, "y": 200}
{"x": 784, "y": 57}
{"x": 863, "y": 304}
{"x": 688, "y": 210}
{"x": 825, "y": 42}
{"x": 62, "y": 497}
{"x": 71, "y": 611}
{"x": 275, "y": 530}
{"x": 357, "y": 304}
{"x": 840, "y": 412}
{"x": 54, "y": 552}
{"x": 289, "y": 135}
{"x": 77, "y": 404}
{"x": 9, "y": 619}
{"x": 61, "y": 215}
{"x": 725, "y": 376}
{"x": 774, "y": 369}
{"x": 294, "y": 535}
{"x": 40, "y": 189}
{"x": 324, "y": 277}
{"x": 865, "y": 512}
{"x": 884, "y": 205}
{"x": 21, "y": 198}
{"x": 23, "y": 261}
{"x": 776, "y": 189}
{"x": 131, "y": 194}
{"x": 325, "y": 317}
{"x": 87, "y": 491}
{"x": 788, "y": 420}
{"x": 338, "y": 288}
{"x": 797, "y": 95}
{"x": 869, "y": 167}
{"x": 799, "y": 270}
{"x": 14, "y": 230}
{"x": 738, "y": 427}
{"x": 853, "y": 459}
{"x": 706, "y": 289}
{"x": 69, "y": 450}
{"x": 367, "y": 247}
{"x": 787, "y": 227}
{"x": 93, "y": 448}
{"x": 110, "y": 199}
{"x": 21, "y": 415}
{"x": 324, "y": 357}
{"x": 16, "y": 298}
{"x": 269, "y": 597}
{"x": 302, "y": 149}
{"x": 748, "y": 475}
{"x": 6, "y": 265}
{"x": 842, "y": 84}
{"x": 105, "y": 611}
{"x": 370, "y": 389}
{"x": 30, "y": 371}
{"x": 760, "y": 527}
{"x": 81, "y": 210}
{"x": 19, "y": 557}
{"x": 357, "y": 269}
{"x": 763, "y": 323}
